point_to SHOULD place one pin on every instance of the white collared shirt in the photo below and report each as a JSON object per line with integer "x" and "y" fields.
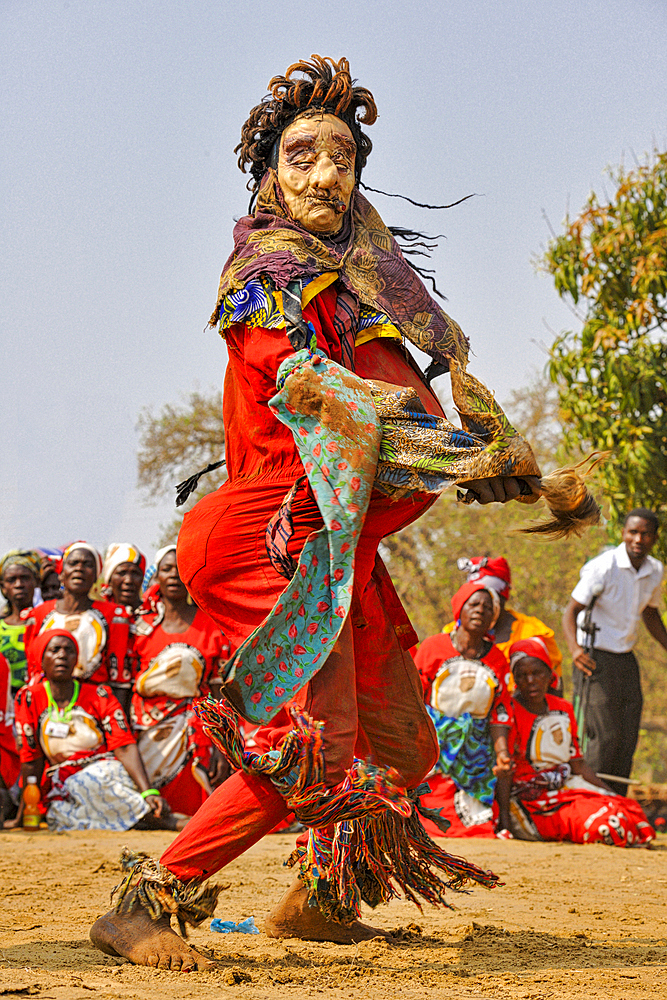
{"x": 626, "y": 591}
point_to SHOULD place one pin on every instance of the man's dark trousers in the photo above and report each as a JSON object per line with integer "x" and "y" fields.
{"x": 613, "y": 713}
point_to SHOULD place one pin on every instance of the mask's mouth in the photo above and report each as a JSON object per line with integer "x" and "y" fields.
{"x": 337, "y": 204}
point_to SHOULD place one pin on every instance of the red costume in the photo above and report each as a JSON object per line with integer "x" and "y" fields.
{"x": 223, "y": 561}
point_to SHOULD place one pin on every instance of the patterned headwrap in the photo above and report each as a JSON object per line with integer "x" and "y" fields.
{"x": 370, "y": 264}
{"x": 150, "y": 573}
{"x": 534, "y": 648}
{"x": 122, "y": 552}
{"x": 464, "y": 594}
{"x": 495, "y": 572}
{"x": 80, "y": 545}
{"x": 44, "y": 638}
{"x": 21, "y": 557}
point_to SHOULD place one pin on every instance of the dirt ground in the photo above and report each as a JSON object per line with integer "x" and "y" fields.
{"x": 570, "y": 922}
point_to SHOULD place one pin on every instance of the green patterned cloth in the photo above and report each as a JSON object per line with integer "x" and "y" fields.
{"x": 13, "y": 650}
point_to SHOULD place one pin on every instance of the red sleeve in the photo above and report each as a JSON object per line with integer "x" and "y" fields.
{"x": 108, "y": 710}
{"x": 33, "y": 618}
{"x": 117, "y": 657}
{"x": 429, "y": 658}
{"x": 27, "y": 725}
{"x": 501, "y": 710}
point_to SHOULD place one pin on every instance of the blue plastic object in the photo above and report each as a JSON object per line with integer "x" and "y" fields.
{"x": 246, "y": 926}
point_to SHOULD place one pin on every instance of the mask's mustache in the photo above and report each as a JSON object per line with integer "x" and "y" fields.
{"x": 337, "y": 204}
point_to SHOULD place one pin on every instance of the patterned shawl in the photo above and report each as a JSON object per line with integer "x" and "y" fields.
{"x": 370, "y": 264}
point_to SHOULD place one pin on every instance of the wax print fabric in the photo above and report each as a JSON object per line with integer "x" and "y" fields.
{"x": 101, "y": 796}
{"x": 463, "y": 697}
{"x": 174, "y": 668}
{"x": 549, "y": 802}
{"x": 528, "y": 627}
{"x": 332, "y": 416}
{"x": 12, "y": 647}
{"x": 102, "y": 633}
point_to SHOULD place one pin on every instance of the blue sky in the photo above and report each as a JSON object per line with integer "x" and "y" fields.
{"x": 120, "y": 186}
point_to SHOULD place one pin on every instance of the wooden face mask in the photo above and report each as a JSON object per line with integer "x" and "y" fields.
{"x": 316, "y": 171}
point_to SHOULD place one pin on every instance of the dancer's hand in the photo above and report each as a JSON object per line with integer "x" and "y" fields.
{"x": 219, "y": 769}
{"x": 501, "y": 489}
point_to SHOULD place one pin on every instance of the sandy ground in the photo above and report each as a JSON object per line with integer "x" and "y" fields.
{"x": 570, "y": 922}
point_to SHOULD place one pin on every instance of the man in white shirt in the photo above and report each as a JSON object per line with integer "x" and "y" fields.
{"x": 623, "y": 585}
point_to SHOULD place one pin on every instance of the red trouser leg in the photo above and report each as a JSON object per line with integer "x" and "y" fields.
{"x": 223, "y": 562}
{"x": 238, "y": 814}
{"x": 390, "y": 700}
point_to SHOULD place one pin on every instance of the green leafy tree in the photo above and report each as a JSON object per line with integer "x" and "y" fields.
{"x": 610, "y": 264}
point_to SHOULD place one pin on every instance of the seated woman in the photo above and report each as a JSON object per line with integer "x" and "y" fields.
{"x": 178, "y": 651}
{"x": 94, "y": 779}
{"x": 555, "y": 794}
{"x": 465, "y": 689}
{"x": 101, "y": 628}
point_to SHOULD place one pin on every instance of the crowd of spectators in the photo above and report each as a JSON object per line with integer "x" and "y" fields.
{"x": 102, "y": 659}
{"x": 97, "y": 681}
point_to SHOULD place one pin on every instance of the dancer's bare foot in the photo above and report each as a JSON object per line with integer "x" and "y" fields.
{"x": 145, "y": 941}
{"x": 292, "y": 917}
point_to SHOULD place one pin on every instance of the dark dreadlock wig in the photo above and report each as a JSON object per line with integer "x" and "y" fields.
{"x": 322, "y": 86}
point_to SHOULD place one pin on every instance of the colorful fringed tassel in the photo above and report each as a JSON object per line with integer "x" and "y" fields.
{"x": 151, "y": 885}
{"x": 374, "y": 859}
{"x": 297, "y": 770}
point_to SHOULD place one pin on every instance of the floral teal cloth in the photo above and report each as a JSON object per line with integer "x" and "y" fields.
{"x": 332, "y": 416}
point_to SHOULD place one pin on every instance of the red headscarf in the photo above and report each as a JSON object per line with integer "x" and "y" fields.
{"x": 45, "y": 637}
{"x": 534, "y": 648}
{"x": 480, "y": 566}
{"x": 464, "y": 594}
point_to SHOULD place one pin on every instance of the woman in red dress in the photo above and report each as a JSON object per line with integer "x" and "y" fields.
{"x": 178, "y": 651}
{"x": 465, "y": 688}
{"x": 555, "y": 794}
{"x": 101, "y": 628}
{"x": 74, "y": 738}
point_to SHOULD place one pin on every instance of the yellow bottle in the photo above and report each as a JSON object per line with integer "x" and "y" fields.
{"x": 31, "y": 799}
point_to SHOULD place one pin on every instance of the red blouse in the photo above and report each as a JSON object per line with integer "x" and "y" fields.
{"x": 174, "y": 668}
{"x": 543, "y": 741}
{"x": 95, "y": 724}
{"x": 102, "y": 633}
{"x": 454, "y": 685}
